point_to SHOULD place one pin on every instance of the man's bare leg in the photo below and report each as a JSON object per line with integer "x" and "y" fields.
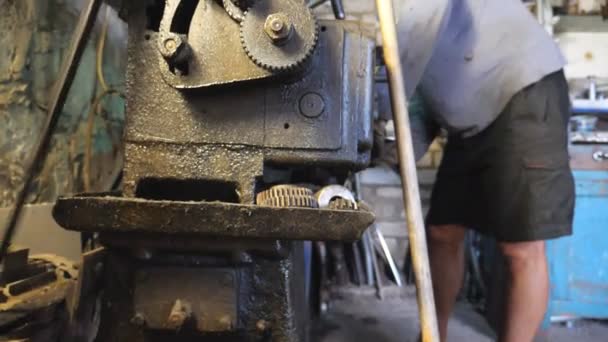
{"x": 527, "y": 290}
{"x": 446, "y": 254}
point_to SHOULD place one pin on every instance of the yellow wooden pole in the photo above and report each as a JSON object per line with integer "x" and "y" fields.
{"x": 409, "y": 177}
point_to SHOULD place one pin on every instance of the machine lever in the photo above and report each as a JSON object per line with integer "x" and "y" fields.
{"x": 338, "y": 7}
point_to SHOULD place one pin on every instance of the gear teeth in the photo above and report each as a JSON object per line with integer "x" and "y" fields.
{"x": 342, "y": 204}
{"x": 284, "y": 67}
{"x": 285, "y": 196}
{"x": 233, "y": 10}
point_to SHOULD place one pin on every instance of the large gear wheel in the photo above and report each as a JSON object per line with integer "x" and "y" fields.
{"x": 270, "y": 53}
{"x": 285, "y": 196}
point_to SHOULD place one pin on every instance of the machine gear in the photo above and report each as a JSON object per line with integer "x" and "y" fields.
{"x": 287, "y": 196}
{"x": 340, "y": 203}
{"x": 279, "y": 53}
{"x": 233, "y": 8}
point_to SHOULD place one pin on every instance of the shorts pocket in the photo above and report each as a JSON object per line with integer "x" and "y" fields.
{"x": 549, "y": 192}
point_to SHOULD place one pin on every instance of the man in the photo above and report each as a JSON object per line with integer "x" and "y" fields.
{"x": 493, "y": 79}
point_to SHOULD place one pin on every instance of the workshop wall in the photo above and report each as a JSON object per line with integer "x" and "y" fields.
{"x": 35, "y": 37}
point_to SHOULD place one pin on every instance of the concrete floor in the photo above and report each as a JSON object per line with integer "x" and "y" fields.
{"x": 395, "y": 319}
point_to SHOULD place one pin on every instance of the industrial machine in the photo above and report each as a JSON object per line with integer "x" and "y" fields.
{"x": 238, "y": 113}
{"x": 243, "y": 119}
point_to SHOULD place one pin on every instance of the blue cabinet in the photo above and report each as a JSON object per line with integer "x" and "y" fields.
{"x": 578, "y": 264}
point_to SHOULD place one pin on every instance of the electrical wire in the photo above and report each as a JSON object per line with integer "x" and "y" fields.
{"x": 96, "y": 105}
{"x": 88, "y": 149}
{"x": 100, "y": 48}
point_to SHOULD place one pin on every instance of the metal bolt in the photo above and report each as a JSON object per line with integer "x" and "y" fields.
{"x": 226, "y": 322}
{"x": 262, "y": 325}
{"x": 311, "y": 105}
{"x": 174, "y": 49}
{"x": 171, "y": 45}
{"x": 180, "y": 312}
{"x": 278, "y": 27}
{"x": 138, "y": 319}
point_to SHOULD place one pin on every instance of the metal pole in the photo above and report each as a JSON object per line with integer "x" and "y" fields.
{"x": 409, "y": 178}
{"x": 366, "y": 239}
{"x": 540, "y": 11}
{"x": 387, "y": 254}
{"x": 62, "y": 86}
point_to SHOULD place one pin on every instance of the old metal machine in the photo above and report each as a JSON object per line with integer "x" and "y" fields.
{"x": 238, "y": 111}
{"x": 242, "y": 117}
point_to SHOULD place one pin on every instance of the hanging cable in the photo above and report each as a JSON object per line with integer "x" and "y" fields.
{"x": 96, "y": 104}
{"x": 100, "y": 48}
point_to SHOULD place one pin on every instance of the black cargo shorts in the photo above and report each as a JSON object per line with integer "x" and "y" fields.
{"x": 512, "y": 180}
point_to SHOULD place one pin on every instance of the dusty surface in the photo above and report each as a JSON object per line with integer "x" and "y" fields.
{"x": 395, "y": 320}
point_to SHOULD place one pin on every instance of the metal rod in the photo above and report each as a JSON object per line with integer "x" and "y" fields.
{"x": 387, "y": 255}
{"x": 61, "y": 89}
{"x": 540, "y": 11}
{"x": 377, "y": 274}
{"x": 358, "y": 263}
{"x": 365, "y": 240}
{"x": 338, "y": 8}
{"x": 369, "y": 267}
{"x": 409, "y": 178}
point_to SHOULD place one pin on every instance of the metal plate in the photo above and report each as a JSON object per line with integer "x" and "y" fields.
{"x": 160, "y": 113}
{"x": 218, "y": 56}
{"x": 117, "y": 214}
{"x": 211, "y": 294}
{"x": 285, "y": 127}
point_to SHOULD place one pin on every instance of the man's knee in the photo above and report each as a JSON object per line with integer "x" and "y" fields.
{"x": 518, "y": 254}
{"x": 449, "y": 234}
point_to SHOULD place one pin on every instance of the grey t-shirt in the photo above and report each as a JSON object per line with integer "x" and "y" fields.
{"x": 482, "y": 52}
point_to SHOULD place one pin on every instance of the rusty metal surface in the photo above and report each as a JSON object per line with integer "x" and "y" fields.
{"x": 266, "y": 118}
{"x": 210, "y": 135}
{"x": 270, "y": 305}
{"x": 32, "y": 297}
{"x": 43, "y": 281}
{"x": 194, "y": 161}
{"x": 211, "y": 292}
{"x": 162, "y": 242}
{"x": 214, "y": 61}
{"x": 130, "y": 215}
{"x": 258, "y": 118}
{"x": 14, "y": 265}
